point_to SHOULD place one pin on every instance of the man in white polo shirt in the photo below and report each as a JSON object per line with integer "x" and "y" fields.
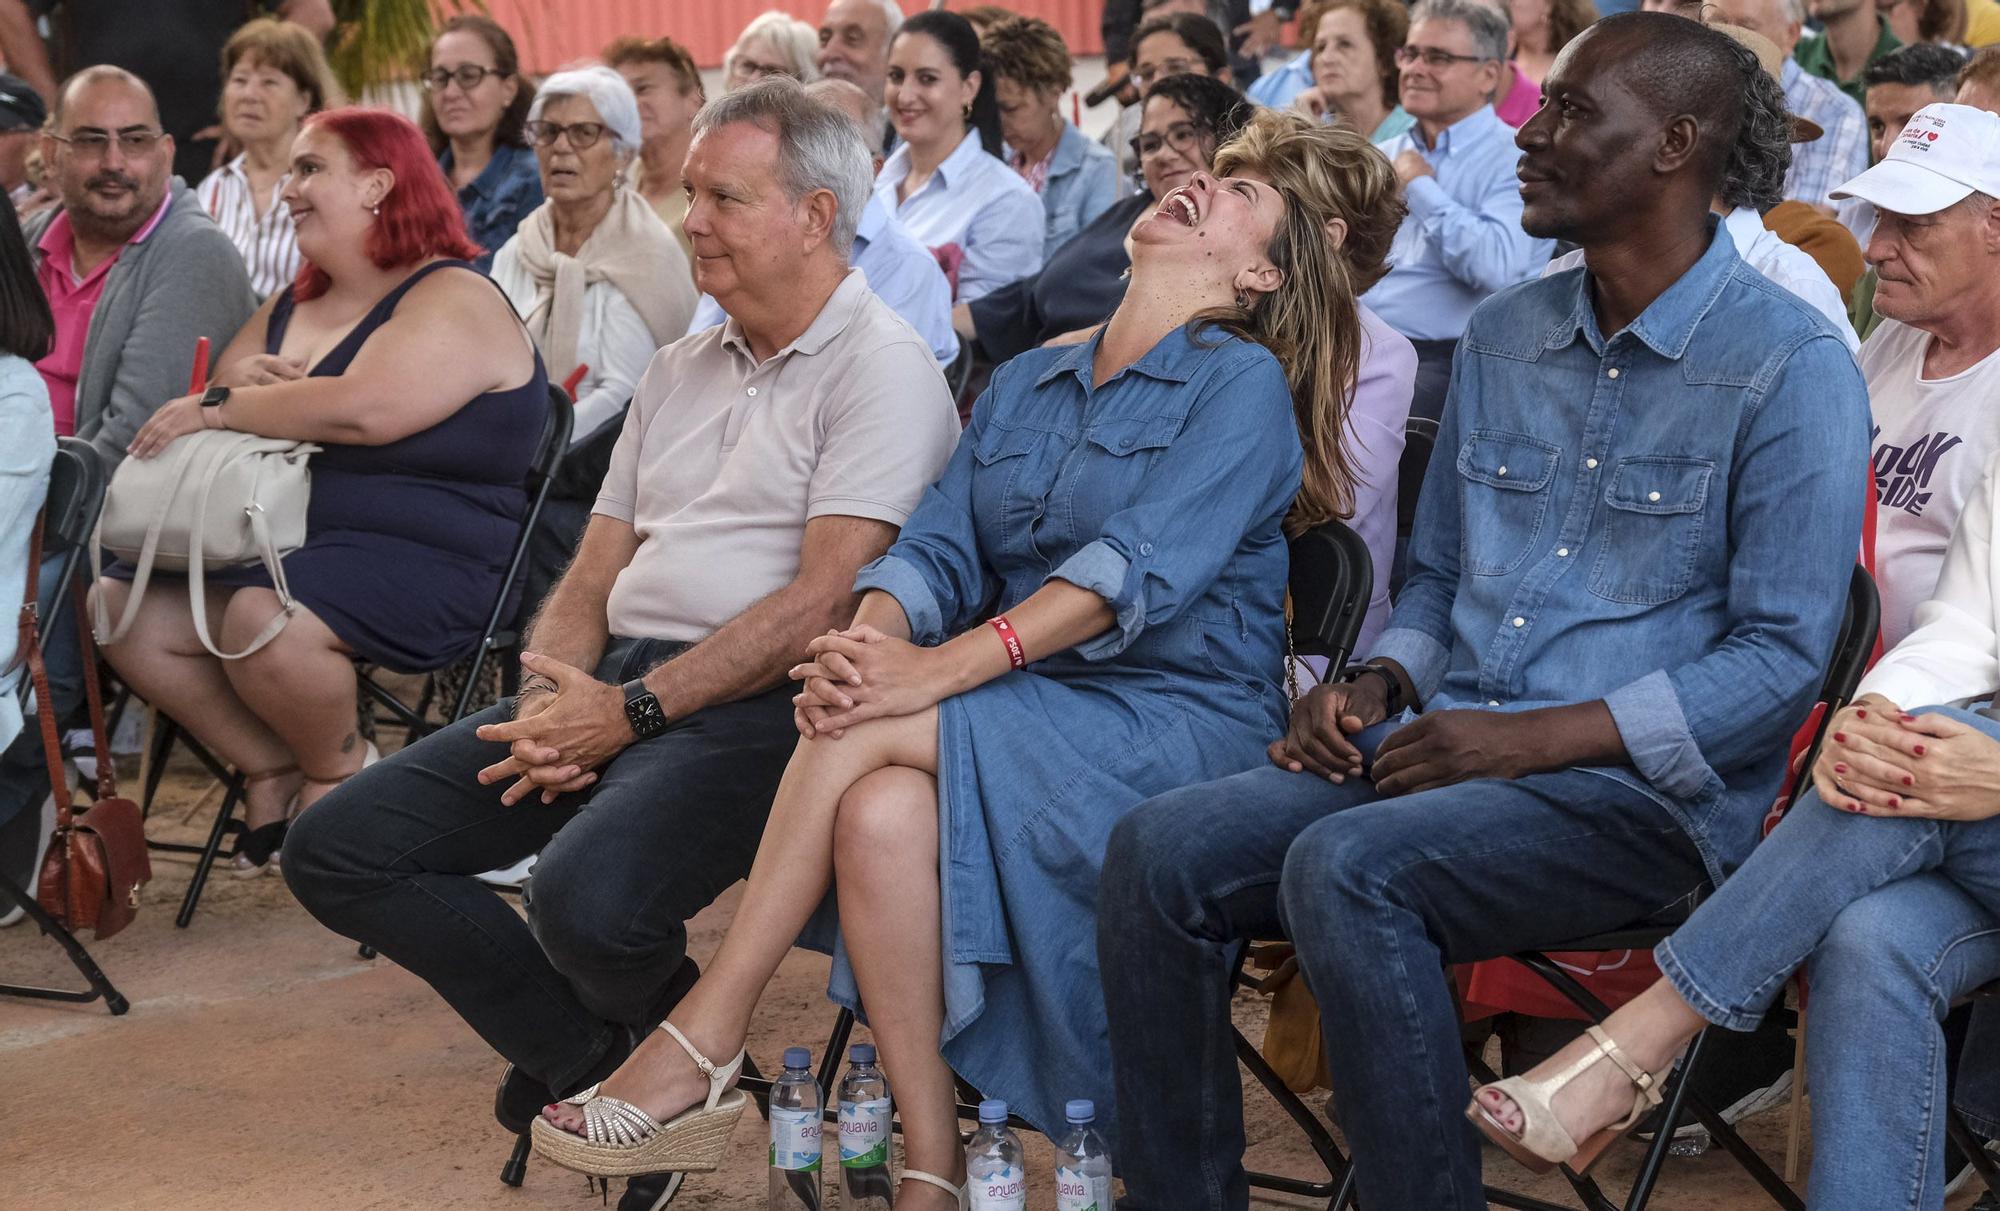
{"x": 762, "y": 463}
{"x": 1931, "y": 365}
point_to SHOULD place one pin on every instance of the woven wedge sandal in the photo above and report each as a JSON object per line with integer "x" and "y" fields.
{"x": 1543, "y": 1144}
{"x": 621, "y": 1140}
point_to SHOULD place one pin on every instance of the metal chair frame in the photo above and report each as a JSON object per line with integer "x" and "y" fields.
{"x": 1856, "y": 640}
{"x": 75, "y": 498}
{"x": 553, "y": 446}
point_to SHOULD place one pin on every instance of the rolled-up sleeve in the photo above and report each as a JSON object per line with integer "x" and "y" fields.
{"x": 935, "y": 569}
{"x": 1796, "y": 522}
{"x": 1232, "y": 470}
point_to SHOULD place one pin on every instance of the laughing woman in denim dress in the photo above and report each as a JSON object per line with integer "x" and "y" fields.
{"x": 1119, "y": 508}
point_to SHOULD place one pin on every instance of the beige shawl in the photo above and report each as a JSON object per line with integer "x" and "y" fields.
{"x": 632, "y": 249}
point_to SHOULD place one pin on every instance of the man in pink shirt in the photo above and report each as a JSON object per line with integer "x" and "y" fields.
{"x": 132, "y": 266}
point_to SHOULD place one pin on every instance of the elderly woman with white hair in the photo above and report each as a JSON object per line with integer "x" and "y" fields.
{"x": 773, "y": 44}
{"x": 600, "y": 280}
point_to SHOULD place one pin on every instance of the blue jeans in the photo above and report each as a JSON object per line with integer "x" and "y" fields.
{"x": 1378, "y": 896}
{"x": 1894, "y": 919}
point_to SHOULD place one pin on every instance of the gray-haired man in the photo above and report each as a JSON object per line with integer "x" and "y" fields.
{"x": 761, "y": 465}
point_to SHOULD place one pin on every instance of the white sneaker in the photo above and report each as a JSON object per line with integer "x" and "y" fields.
{"x": 510, "y": 877}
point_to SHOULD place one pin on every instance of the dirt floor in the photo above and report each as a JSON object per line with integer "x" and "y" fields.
{"x": 264, "y": 1065}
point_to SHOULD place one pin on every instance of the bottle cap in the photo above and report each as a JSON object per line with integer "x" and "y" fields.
{"x": 992, "y": 1110}
{"x": 1082, "y": 1110}
{"x": 798, "y": 1057}
{"x": 861, "y": 1053}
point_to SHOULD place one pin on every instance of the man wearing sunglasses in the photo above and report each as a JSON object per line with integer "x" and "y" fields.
{"x": 1463, "y": 240}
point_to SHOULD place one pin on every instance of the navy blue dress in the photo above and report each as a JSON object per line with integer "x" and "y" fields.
{"x": 406, "y": 543}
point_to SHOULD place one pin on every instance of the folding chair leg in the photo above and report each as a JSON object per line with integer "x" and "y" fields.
{"x": 224, "y": 815}
{"x": 1975, "y": 1152}
{"x": 1339, "y": 1184}
{"x": 164, "y": 732}
{"x": 1795, "y": 1129}
{"x": 515, "y": 1171}
{"x": 100, "y": 984}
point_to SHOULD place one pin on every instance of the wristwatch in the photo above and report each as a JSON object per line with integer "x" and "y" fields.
{"x": 215, "y": 397}
{"x": 642, "y": 710}
{"x": 1392, "y": 695}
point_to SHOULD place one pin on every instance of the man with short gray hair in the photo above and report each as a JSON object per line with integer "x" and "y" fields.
{"x": 1463, "y": 240}
{"x": 762, "y": 463}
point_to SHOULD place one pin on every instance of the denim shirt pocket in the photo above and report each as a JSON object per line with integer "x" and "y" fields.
{"x": 1109, "y": 470}
{"x": 1011, "y": 482}
{"x": 1504, "y": 493}
{"x": 1654, "y": 507}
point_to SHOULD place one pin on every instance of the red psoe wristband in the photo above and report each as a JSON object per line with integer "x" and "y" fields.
{"x": 1016, "y": 654}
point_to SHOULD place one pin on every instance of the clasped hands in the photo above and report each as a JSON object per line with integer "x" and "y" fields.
{"x": 566, "y": 724}
{"x": 859, "y": 674}
{"x": 1437, "y": 749}
{"x": 1880, "y": 760}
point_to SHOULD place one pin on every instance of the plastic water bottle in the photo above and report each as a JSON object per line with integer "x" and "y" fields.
{"x": 1083, "y": 1163}
{"x": 795, "y": 1135}
{"x": 864, "y": 1133}
{"x": 995, "y": 1170}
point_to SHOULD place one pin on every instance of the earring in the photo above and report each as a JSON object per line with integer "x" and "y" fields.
{"x": 967, "y": 113}
{"x": 1242, "y": 300}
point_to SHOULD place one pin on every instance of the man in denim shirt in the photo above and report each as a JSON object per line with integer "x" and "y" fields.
{"x": 1628, "y": 569}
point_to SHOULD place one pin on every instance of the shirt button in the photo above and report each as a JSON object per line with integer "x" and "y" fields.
{"x": 1653, "y": 497}
{"x": 1611, "y": 373}
{"x": 1124, "y": 443}
{"x": 1145, "y": 548}
{"x": 1492, "y": 702}
{"x": 1501, "y": 471}
{"x": 1590, "y": 463}
{"x": 1562, "y": 552}
{"x": 753, "y": 391}
{"x": 1520, "y": 622}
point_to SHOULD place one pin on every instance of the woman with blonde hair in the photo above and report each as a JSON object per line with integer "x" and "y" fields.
{"x": 274, "y": 76}
{"x": 1118, "y": 509}
{"x": 773, "y": 44}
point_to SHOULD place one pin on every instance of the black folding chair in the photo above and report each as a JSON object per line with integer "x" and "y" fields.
{"x": 554, "y": 444}
{"x": 1419, "y": 441}
{"x": 1850, "y": 659}
{"x": 76, "y": 496}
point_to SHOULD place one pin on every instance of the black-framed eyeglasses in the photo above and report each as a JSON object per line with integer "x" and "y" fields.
{"x": 1181, "y": 136}
{"x": 1433, "y": 57}
{"x": 582, "y": 135}
{"x": 91, "y": 141}
{"x": 467, "y": 75}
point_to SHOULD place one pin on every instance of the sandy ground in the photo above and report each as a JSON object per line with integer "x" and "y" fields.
{"x": 263, "y": 1065}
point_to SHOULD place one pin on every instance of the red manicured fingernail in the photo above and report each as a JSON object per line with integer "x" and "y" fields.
{"x": 1920, "y": 750}
{"x": 1909, "y": 781}
{"x": 1839, "y": 768}
{"x": 1840, "y": 738}
{"x": 1909, "y": 719}
{"x": 1861, "y": 712}
{"x": 1894, "y": 801}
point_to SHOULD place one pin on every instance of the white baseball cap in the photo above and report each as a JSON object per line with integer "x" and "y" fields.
{"x": 1943, "y": 156}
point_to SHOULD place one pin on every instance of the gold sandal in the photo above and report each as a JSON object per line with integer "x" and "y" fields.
{"x": 1542, "y": 1143}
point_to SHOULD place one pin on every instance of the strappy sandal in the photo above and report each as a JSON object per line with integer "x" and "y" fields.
{"x": 932, "y": 1179}
{"x": 1543, "y": 1144}
{"x": 621, "y": 1140}
{"x": 257, "y": 848}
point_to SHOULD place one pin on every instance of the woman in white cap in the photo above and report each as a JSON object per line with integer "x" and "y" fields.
{"x": 600, "y": 280}
{"x": 1883, "y": 882}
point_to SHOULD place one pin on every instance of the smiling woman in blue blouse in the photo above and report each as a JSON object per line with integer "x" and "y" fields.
{"x": 946, "y": 184}
{"x": 1122, "y": 506}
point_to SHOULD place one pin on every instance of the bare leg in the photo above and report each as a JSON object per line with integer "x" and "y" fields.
{"x": 302, "y": 683}
{"x": 163, "y": 661}
{"x": 789, "y": 878}
{"x": 1651, "y": 1030}
{"x": 885, "y": 861}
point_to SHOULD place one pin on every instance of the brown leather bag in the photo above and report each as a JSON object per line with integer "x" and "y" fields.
{"x": 96, "y": 860}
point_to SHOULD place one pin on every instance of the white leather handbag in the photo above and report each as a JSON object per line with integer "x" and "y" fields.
{"x": 212, "y": 499}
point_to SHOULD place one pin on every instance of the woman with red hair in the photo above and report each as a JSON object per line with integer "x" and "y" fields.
{"x": 410, "y": 371}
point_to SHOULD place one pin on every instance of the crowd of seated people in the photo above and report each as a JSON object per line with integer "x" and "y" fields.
{"x": 994, "y": 710}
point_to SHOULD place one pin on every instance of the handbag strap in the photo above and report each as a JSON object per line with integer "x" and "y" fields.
{"x": 45, "y": 708}
{"x": 260, "y": 529}
{"x": 107, "y": 768}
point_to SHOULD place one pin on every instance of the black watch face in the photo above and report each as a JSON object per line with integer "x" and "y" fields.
{"x": 645, "y": 715}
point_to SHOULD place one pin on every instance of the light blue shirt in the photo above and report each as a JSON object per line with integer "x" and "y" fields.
{"x": 1462, "y": 241}
{"x": 900, "y": 271}
{"x": 1278, "y": 88}
{"x": 977, "y": 202}
{"x": 1663, "y": 518}
{"x": 27, "y": 447}
{"x": 1082, "y": 184}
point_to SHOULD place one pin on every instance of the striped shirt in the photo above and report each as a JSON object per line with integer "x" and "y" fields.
{"x": 269, "y": 245}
